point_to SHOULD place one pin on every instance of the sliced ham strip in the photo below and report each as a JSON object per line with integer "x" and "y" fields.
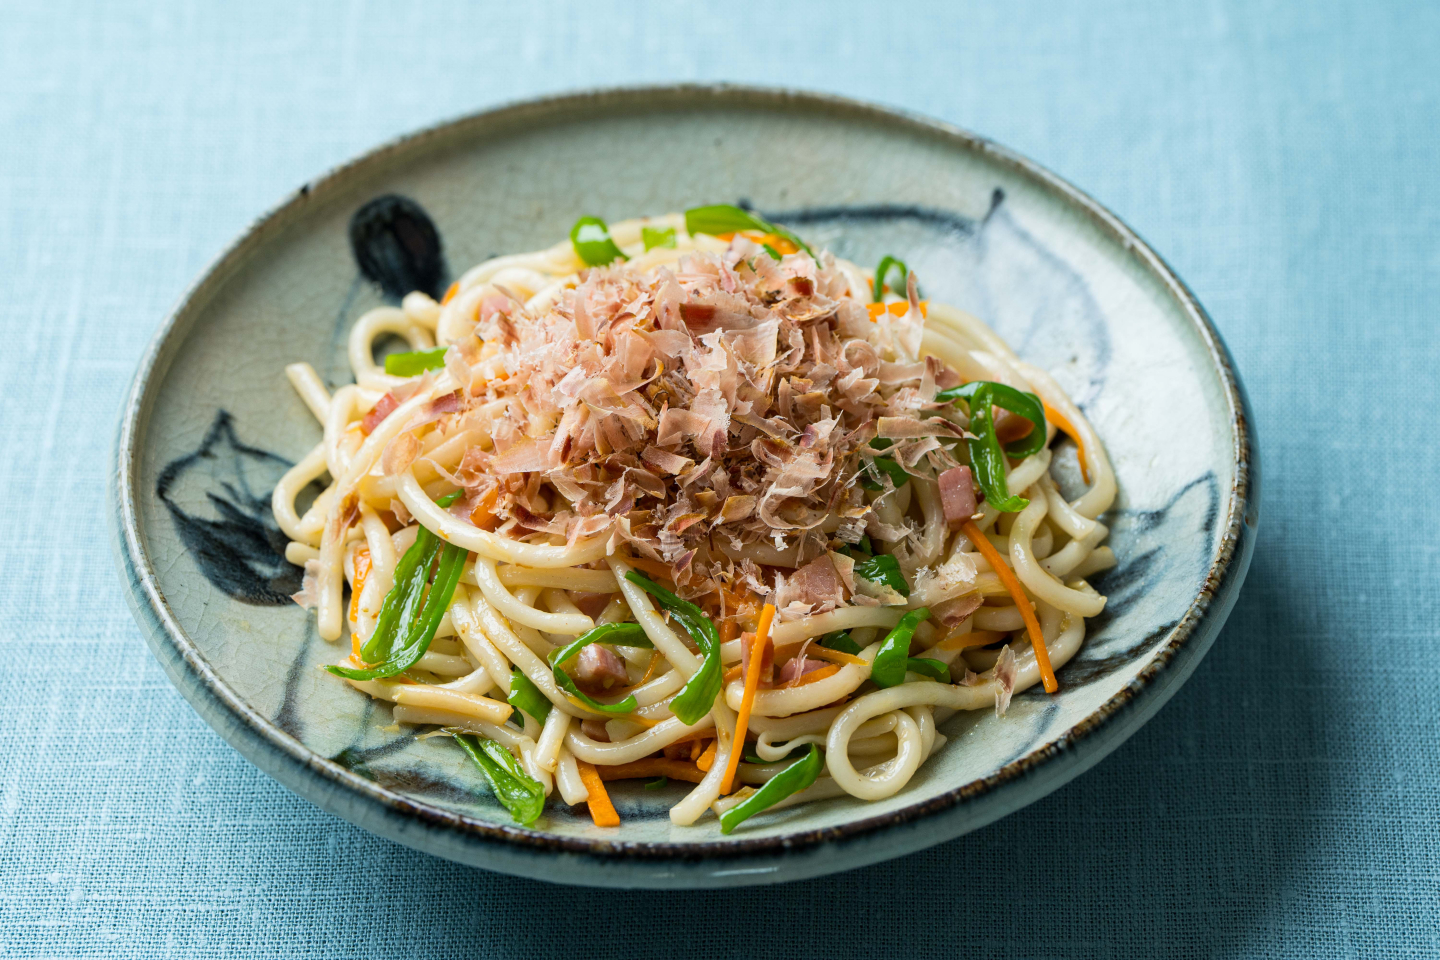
{"x": 596, "y": 664}
{"x": 817, "y": 584}
{"x": 1010, "y": 427}
{"x": 957, "y": 495}
{"x": 591, "y": 604}
{"x": 796, "y": 668}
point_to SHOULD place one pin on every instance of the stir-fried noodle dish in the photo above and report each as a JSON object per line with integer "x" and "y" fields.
{"x": 685, "y": 499}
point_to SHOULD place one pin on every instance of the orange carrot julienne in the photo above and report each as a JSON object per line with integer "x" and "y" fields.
{"x": 825, "y": 672}
{"x": 706, "y": 760}
{"x": 450, "y": 293}
{"x": 362, "y": 570}
{"x": 652, "y": 568}
{"x": 747, "y": 702}
{"x": 1058, "y": 418}
{"x": 1017, "y": 593}
{"x": 602, "y": 811}
{"x": 836, "y": 656}
{"x": 964, "y": 641}
{"x": 896, "y": 308}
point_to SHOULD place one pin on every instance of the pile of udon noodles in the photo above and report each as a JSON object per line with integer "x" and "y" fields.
{"x": 702, "y": 413}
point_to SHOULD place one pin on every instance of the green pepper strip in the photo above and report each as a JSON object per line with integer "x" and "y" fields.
{"x": 659, "y": 783}
{"x": 524, "y": 695}
{"x": 723, "y": 218}
{"x": 415, "y": 362}
{"x": 520, "y": 793}
{"x": 871, "y": 467}
{"x": 794, "y": 778}
{"x": 886, "y": 265}
{"x": 927, "y": 667}
{"x": 422, "y": 628}
{"x": 406, "y": 604}
{"x": 840, "y": 640}
{"x": 625, "y": 634}
{"x": 888, "y": 667}
{"x": 885, "y": 569}
{"x": 653, "y": 238}
{"x": 591, "y": 238}
{"x": 403, "y": 601}
{"x": 987, "y": 459}
{"x": 698, "y": 695}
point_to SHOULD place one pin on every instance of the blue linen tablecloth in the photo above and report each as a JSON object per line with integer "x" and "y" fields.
{"x": 1282, "y": 156}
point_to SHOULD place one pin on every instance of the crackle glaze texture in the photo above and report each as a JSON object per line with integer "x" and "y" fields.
{"x": 213, "y": 423}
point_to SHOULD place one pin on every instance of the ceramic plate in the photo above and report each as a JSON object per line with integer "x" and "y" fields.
{"x": 211, "y": 423}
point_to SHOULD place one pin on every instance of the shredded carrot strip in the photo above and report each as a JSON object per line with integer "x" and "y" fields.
{"x": 896, "y": 308}
{"x": 1027, "y": 610}
{"x": 450, "y": 293}
{"x": 964, "y": 641}
{"x": 653, "y": 567}
{"x": 706, "y": 760}
{"x": 483, "y": 516}
{"x": 696, "y": 749}
{"x": 729, "y": 630}
{"x": 836, "y": 656}
{"x": 602, "y": 811}
{"x": 362, "y": 570}
{"x": 812, "y": 676}
{"x": 752, "y": 683}
{"x": 652, "y": 767}
{"x": 732, "y": 674}
{"x": 650, "y": 668}
{"x": 1058, "y": 418}
{"x": 631, "y": 688}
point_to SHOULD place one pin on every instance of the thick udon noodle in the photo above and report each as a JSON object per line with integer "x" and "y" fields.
{"x": 514, "y": 604}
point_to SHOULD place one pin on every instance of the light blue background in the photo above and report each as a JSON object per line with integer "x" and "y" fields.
{"x": 1283, "y": 157}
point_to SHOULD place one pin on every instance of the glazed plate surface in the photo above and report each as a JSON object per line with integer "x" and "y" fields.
{"x": 212, "y": 423}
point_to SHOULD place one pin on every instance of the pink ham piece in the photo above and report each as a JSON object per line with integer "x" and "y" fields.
{"x": 796, "y": 668}
{"x": 817, "y": 584}
{"x": 957, "y": 495}
{"x": 591, "y": 604}
{"x": 597, "y": 664}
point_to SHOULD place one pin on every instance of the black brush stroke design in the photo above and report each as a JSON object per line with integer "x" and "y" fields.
{"x": 242, "y": 550}
{"x": 288, "y": 717}
{"x": 1146, "y": 539}
{"x": 397, "y": 246}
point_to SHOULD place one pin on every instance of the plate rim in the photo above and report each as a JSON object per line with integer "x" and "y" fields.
{"x": 514, "y": 848}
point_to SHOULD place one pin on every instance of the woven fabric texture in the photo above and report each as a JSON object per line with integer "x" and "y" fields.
{"x": 1281, "y": 156}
